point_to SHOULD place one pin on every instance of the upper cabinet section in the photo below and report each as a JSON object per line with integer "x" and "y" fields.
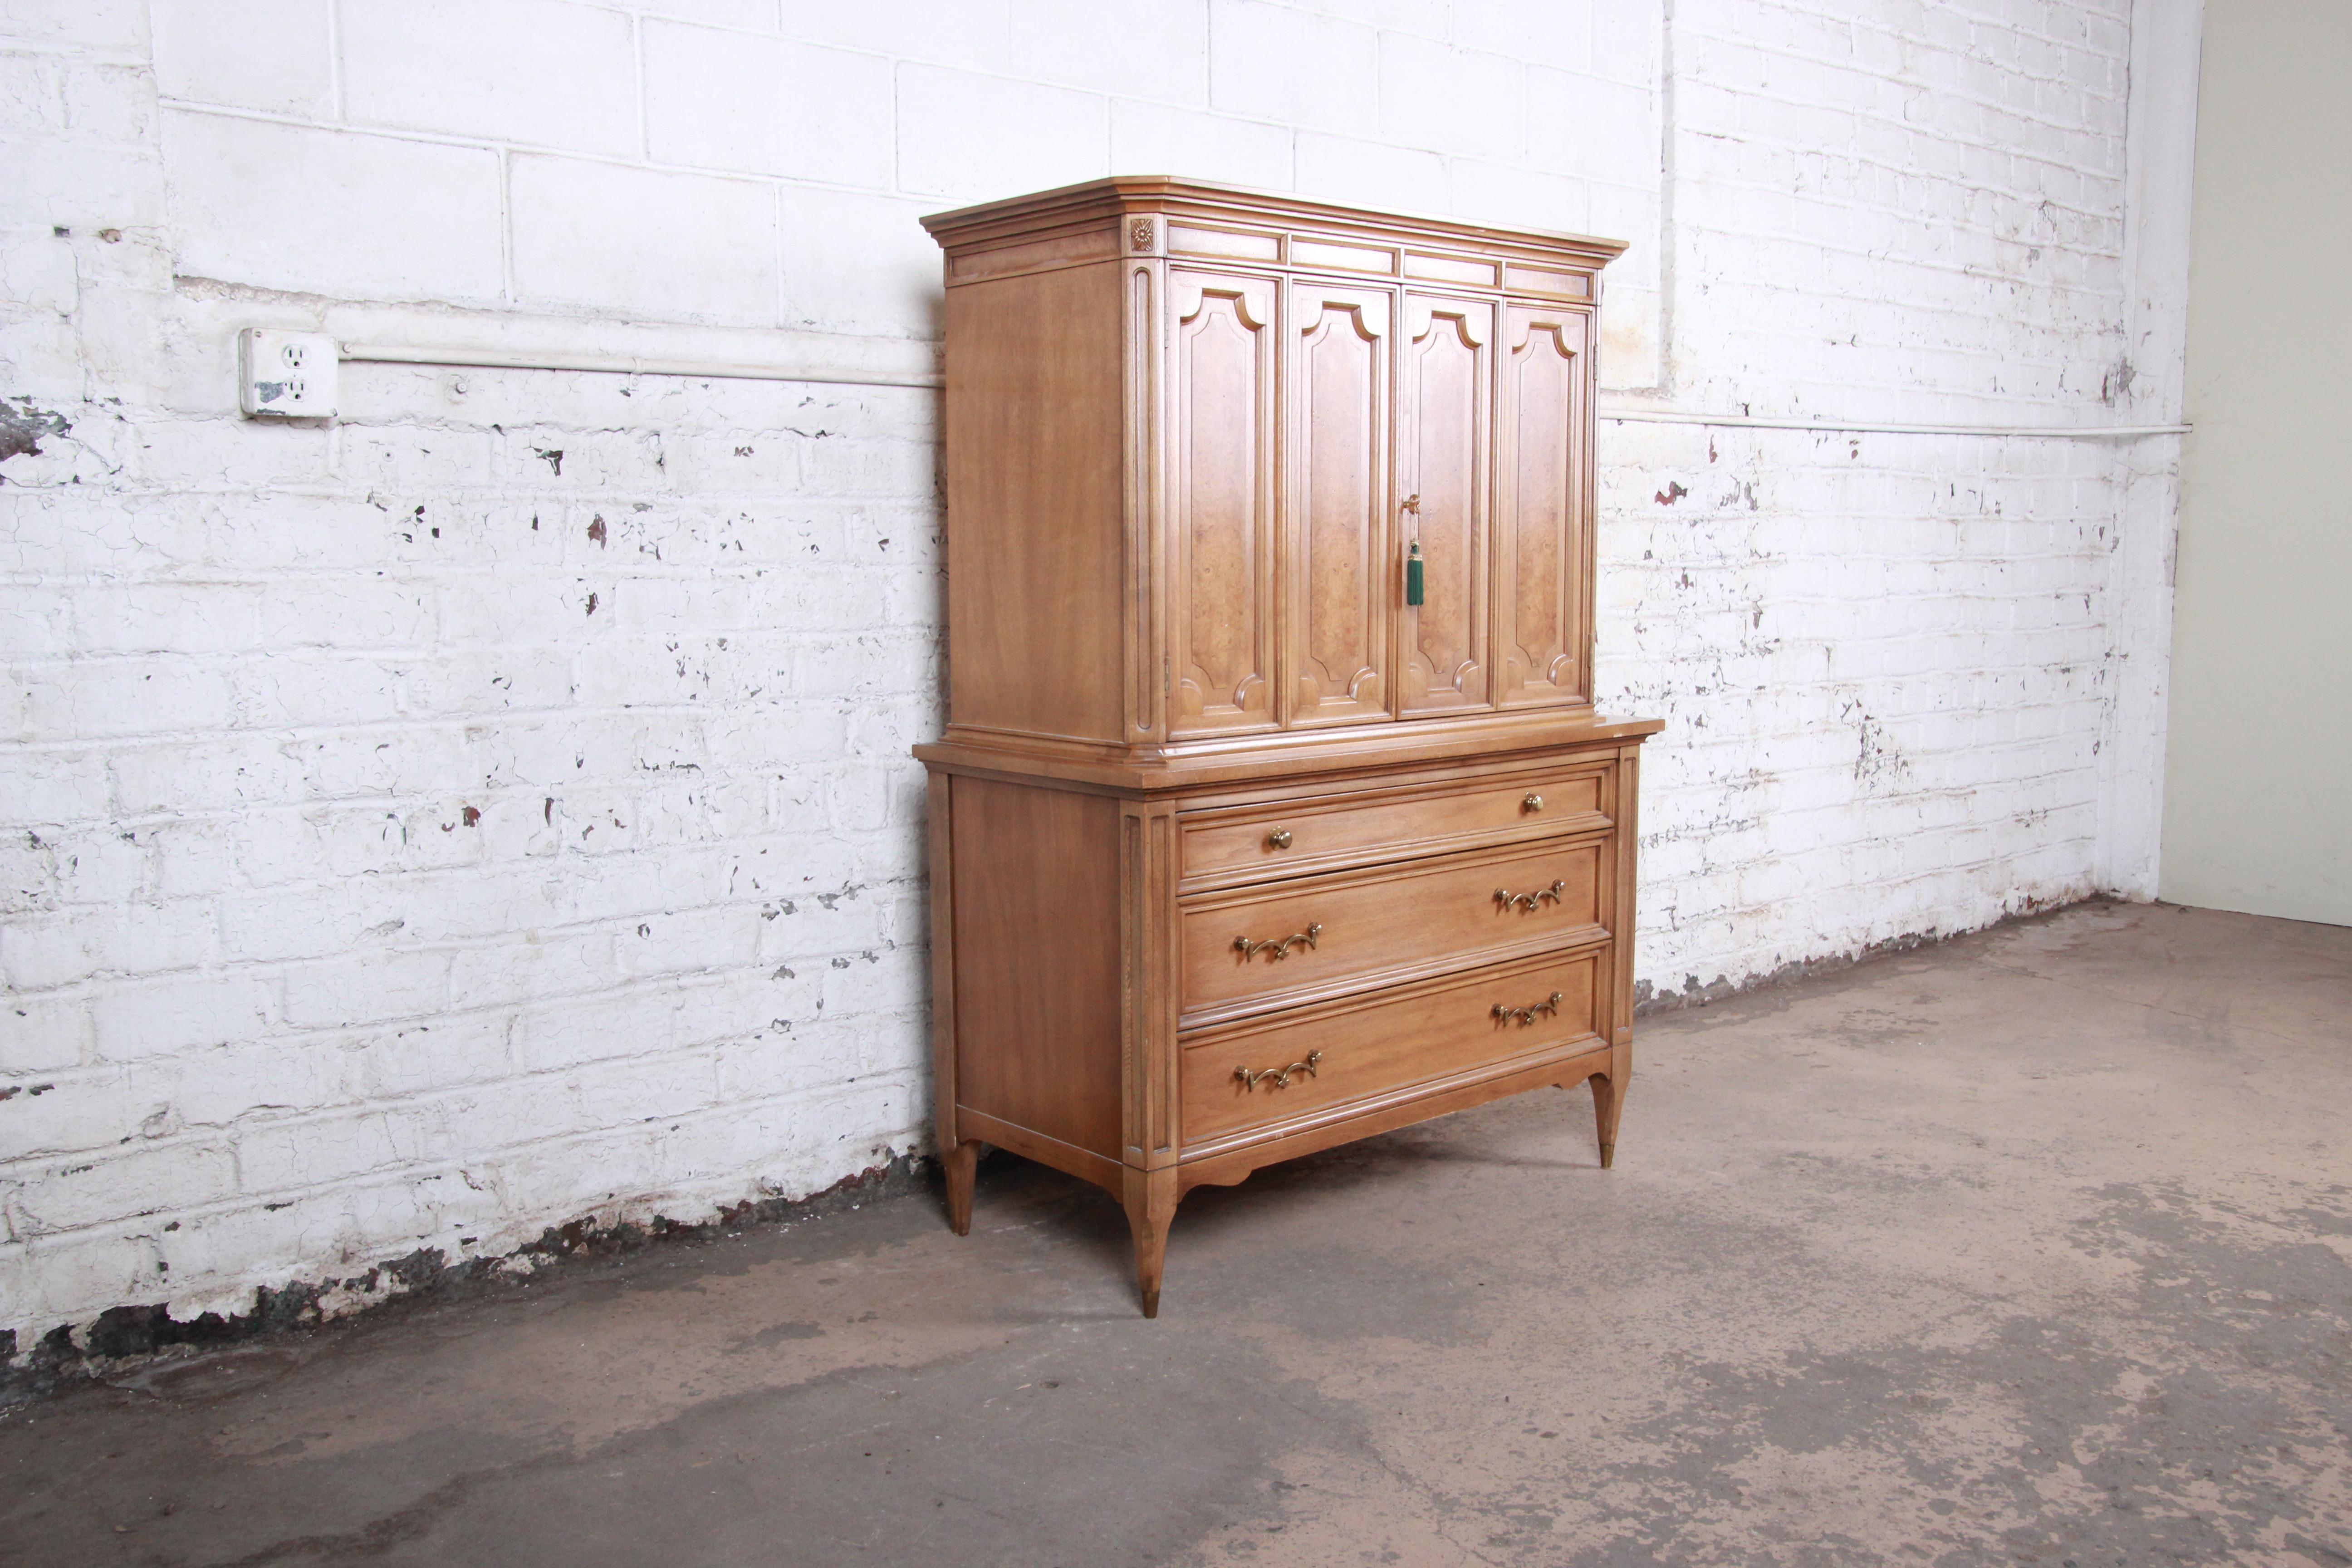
{"x": 1307, "y": 400}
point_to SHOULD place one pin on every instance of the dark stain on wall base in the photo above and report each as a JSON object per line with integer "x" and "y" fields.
{"x": 124, "y": 1336}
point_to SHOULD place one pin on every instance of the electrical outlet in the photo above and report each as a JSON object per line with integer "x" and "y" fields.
{"x": 286, "y": 375}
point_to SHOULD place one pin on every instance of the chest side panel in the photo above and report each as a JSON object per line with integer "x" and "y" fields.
{"x": 1036, "y": 946}
{"x": 1034, "y": 502}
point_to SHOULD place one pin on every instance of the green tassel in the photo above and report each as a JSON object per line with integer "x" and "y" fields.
{"x": 1412, "y": 576}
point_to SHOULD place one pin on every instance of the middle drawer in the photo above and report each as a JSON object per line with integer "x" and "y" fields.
{"x": 1247, "y": 951}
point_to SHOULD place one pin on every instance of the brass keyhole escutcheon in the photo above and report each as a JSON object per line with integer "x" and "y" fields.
{"x": 1533, "y": 802}
{"x": 1278, "y": 839}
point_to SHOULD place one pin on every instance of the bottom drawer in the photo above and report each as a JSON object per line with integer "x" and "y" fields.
{"x": 1298, "y": 1064}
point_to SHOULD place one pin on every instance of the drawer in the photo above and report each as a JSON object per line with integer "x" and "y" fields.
{"x": 1324, "y": 1059}
{"x": 1320, "y": 832}
{"x": 1270, "y": 946}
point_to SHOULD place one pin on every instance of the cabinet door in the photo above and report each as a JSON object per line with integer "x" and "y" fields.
{"x": 1445, "y": 403}
{"x": 1543, "y": 514}
{"x": 1222, "y": 609}
{"x": 1336, "y": 574}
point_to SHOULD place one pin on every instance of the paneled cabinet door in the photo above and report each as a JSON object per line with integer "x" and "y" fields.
{"x": 1444, "y": 405}
{"x": 1338, "y": 575}
{"x": 1542, "y": 519}
{"x": 1222, "y": 603}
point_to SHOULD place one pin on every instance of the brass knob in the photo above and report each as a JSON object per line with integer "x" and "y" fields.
{"x": 1533, "y": 802}
{"x": 1278, "y": 839}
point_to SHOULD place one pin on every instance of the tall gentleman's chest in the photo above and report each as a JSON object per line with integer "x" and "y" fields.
{"x": 1270, "y": 736}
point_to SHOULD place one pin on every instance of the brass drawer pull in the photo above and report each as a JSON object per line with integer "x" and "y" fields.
{"x": 1533, "y": 802}
{"x": 1529, "y": 900}
{"x": 1278, "y": 839}
{"x": 1278, "y": 946}
{"x": 1523, "y": 1016}
{"x": 1280, "y": 1077}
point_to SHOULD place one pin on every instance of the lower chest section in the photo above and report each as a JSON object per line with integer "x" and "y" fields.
{"x": 1160, "y": 981}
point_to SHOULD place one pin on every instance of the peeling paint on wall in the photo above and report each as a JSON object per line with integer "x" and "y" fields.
{"x": 23, "y": 423}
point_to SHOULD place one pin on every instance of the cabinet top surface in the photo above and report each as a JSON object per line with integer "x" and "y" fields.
{"x": 1017, "y": 217}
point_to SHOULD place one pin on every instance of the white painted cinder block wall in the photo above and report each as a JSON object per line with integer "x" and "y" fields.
{"x": 492, "y": 809}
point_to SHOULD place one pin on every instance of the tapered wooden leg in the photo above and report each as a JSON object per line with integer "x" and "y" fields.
{"x": 1151, "y": 1199}
{"x": 1608, "y": 1100}
{"x": 960, "y": 1163}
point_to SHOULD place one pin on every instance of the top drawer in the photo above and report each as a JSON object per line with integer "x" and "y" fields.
{"x": 1320, "y": 832}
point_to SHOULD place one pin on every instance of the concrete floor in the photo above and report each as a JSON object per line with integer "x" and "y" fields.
{"x": 2032, "y": 1248}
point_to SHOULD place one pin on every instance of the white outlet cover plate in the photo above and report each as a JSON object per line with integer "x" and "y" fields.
{"x": 286, "y": 375}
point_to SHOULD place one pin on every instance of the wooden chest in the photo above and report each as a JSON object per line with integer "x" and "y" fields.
{"x": 1272, "y": 809}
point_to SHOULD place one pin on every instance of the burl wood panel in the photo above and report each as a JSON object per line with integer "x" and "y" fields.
{"x": 1033, "y": 375}
{"x": 1374, "y": 1044}
{"x": 1225, "y": 484}
{"x": 1037, "y": 936}
{"x": 1445, "y": 404}
{"x": 1298, "y": 838}
{"x": 1389, "y": 922}
{"x": 1339, "y": 563}
{"x": 1540, "y": 544}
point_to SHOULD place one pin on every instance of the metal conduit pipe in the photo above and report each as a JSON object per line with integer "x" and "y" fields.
{"x": 628, "y": 365}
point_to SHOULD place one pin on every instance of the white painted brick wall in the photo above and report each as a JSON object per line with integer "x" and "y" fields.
{"x": 412, "y": 838}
